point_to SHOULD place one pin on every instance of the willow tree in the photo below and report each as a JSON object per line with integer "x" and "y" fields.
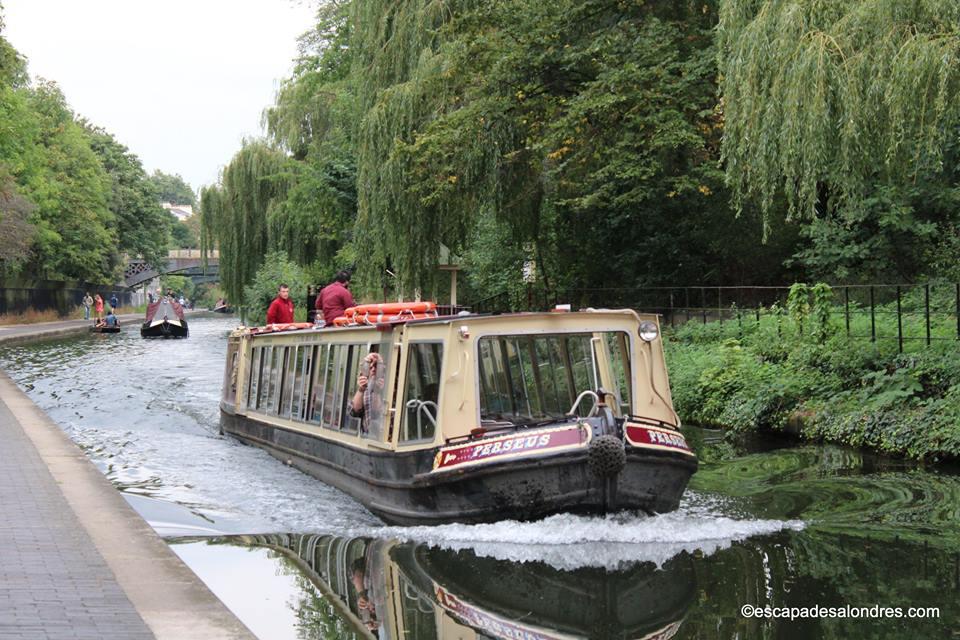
{"x": 313, "y": 119}
{"x": 234, "y": 214}
{"x": 843, "y": 110}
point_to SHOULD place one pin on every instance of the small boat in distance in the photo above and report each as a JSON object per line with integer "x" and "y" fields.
{"x": 104, "y": 329}
{"x": 164, "y": 320}
{"x": 222, "y": 307}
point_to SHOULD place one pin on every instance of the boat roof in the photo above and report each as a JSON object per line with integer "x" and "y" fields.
{"x": 472, "y": 318}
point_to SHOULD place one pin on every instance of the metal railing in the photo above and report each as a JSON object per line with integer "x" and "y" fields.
{"x": 924, "y": 312}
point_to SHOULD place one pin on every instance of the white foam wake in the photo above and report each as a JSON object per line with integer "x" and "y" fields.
{"x": 612, "y": 542}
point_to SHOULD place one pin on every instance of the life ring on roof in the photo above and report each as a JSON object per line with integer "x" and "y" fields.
{"x": 372, "y": 314}
{"x": 392, "y": 308}
{"x": 286, "y": 326}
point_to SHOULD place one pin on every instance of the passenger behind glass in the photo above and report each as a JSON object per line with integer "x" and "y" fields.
{"x": 368, "y": 401}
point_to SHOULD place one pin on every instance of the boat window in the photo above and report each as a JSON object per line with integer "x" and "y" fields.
{"x": 377, "y": 369}
{"x": 319, "y": 384}
{"x": 229, "y": 389}
{"x": 421, "y": 392}
{"x": 266, "y": 358}
{"x": 354, "y": 354}
{"x": 301, "y": 369}
{"x": 253, "y": 388}
{"x": 618, "y": 348}
{"x": 531, "y": 378}
{"x": 271, "y": 380}
{"x": 288, "y": 382}
{"x": 333, "y": 386}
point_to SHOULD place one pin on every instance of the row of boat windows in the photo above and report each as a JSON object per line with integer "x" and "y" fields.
{"x": 316, "y": 384}
{"x": 530, "y": 378}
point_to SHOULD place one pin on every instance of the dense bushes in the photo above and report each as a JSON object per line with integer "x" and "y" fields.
{"x": 840, "y": 390}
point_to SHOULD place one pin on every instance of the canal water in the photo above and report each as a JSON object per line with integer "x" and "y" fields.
{"x": 768, "y": 525}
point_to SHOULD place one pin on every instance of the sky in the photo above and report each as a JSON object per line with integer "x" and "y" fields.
{"x": 179, "y": 82}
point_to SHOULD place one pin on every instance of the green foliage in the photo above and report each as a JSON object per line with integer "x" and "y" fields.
{"x": 277, "y": 268}
{"x": 73, "y": 200}
{"x": 844, "y": 113}
{"x": 181, "y": 285}
{"x": 235, "y": 212}
{"x": 181, "y": 235}
{"x": 172, "y": 189}
{"x": 142, "y": 225}
{"x": 838, "y": 389}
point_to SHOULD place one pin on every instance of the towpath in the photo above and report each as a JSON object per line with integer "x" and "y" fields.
{"x": 77, "y": 562}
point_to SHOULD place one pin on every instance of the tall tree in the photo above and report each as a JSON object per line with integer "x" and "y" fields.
{"x": 173, "y": 189}
{"x": 143, "y": 226}
{"x": 235, "y": 212}
{"x": 845, "y": 113}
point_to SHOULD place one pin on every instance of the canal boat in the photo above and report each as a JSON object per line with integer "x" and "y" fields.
{"x": 164, "y": 319}
{"x": 467, "y": 418}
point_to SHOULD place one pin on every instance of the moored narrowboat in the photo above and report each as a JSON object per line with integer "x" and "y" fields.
{"x": 467, "y": 418}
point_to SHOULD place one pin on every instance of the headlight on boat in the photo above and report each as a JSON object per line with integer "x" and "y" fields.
{"x": 649, "y": 331}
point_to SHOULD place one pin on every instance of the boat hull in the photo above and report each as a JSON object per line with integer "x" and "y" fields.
{"x": 398, "y": 487}
{"x": 164, "y": 330}
{"x": 105, "y": 329}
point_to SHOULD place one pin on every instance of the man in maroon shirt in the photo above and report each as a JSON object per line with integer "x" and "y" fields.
{"x": 281, "y": 309}
{"x": 335, "y": 298}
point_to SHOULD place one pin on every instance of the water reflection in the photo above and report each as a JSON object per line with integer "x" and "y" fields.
{"x": 377, "y": 588}
{"x": 382, "y": 588}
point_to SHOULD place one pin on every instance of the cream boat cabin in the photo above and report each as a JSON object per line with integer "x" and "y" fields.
{"x": 468, "y": 418}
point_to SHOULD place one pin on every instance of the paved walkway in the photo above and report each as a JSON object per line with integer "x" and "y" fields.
{"x": 53, "y": 582}
{"x": 76, "y": 561}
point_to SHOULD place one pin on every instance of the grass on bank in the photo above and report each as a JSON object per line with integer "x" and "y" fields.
{"x": 767, "y": 375}
{"x": 32, "y": 316}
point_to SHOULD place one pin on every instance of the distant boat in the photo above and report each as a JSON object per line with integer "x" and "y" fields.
{"x": 164, "y": 320}
{"x": 223, "y": 308}
{"x": 105, "y": 329}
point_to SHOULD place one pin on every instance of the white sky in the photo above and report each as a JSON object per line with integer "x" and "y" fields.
{"x": 179, "y": 82}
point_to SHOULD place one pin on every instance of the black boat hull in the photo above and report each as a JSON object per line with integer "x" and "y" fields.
{"x": 164, "y": 330}
{"x": 395, "y": 486}
{"x": 104, "y": 329}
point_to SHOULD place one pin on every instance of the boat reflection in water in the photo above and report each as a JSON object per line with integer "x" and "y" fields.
{"x": 387, "y": 589}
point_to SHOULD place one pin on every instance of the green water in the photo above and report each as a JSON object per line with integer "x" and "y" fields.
{"x": 876, "y": 534}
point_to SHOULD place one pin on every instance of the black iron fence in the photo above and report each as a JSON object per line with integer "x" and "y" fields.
{"x": 906, "y": 312}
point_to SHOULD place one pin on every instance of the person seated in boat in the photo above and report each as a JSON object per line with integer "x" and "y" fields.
{"x": 112, "y": 320}
{"x": 335, "y": 298}
{"x": 367, "y": 402}
{"x": 281, "y": 309}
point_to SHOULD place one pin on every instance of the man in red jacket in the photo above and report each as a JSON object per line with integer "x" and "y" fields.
{"x": 335, "y": 298}
{"x": 281, "y": 309}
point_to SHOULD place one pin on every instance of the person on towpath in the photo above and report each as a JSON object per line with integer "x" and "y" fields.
{"x": 87, "y": 303}
{"x": 114, "y": 303}
{"x": 281, "y": 309}
{"x": 98, "y": 306}
{"x": 335, "y": 298}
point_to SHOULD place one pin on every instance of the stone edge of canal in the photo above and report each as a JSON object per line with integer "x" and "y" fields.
{"x": 169, "y": 597}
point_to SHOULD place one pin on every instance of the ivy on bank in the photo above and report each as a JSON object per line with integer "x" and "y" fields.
{"x": 780, "y": 376}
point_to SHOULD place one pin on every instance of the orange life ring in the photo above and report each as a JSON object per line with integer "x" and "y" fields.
{"x": 286, "y": 326}
{"x": 372, "y": 314}
{"x": 393, "y": 308}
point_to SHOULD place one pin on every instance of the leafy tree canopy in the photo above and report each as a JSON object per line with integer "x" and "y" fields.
{"x": 172, "y": 189}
